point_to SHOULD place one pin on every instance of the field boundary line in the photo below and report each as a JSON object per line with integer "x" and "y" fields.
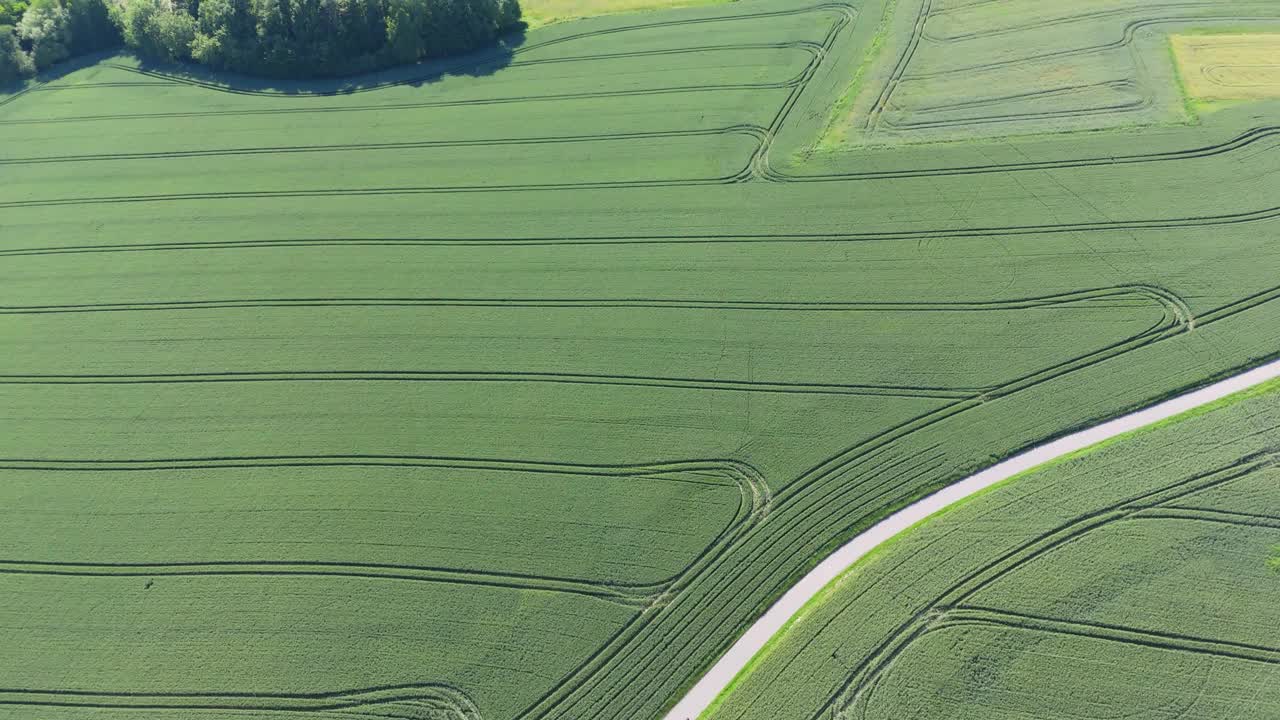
{"x": 1127, "y": 37}
{"x": 499, "y": 100}
{"x": 981, "y": 615}
{"x": 1133, "y": 508}
{"x": 1065, "y": 20}
{"x": 742, "y": 129}
{"x": 623, "y": 595}
{"x": 754, "y": 639}
{"x": 1019, "y": 303}
{"x": 434, "y": 697}
{"x": 810, "y": 480}
{"x": 1176, "y": 316}
{"x": 803, "y": 388}
{"x": 754, "y": 498}
{"x": 1210, "y": 515}
{"x": 1176, "y": 223}
{"x": 1241, "y": 141}
{"x": 899, "y": 69}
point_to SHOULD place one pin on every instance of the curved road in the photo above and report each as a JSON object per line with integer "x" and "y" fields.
{"x": 701, "y": 695}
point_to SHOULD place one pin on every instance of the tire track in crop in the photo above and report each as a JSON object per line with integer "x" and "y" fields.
{"x": 1143, "y": 102}
{"x": 899, "y": 69}
{"x": 1130, "y": 99}
{"x": 665, "y": 643}
{"x": 1173, "y": 223}
{"x": 1126, "y": 39}
{"x": 1180, "y": 223}
{"x": 867, "y": 672}
{"x": 1209, "y": 515}
{"x": 163, "y": 79}
{"x": 1131, "y": 105}
{"x": 1240, "y": 142}
{"x": 801, "y": 522}
{"x": 977, "y": 615}
{"x": 742, "y": 175}
{"x": 1124, "y": 83}
{"x": 557, "y": 97}
{"x": 1150, "y": 292}
{"x": 749, "y": 130}
{"x": 1220, "y": 74}
{"x": 760, "y": 159}
{"x": 817, "y": 53}
{"x": 1244, "y": 140}
{"x": 754, "y": 499}
{"x": 822, "y": 492}
{"x": 27, "y": 90}
{"x": 759, "y": 166}
{"x": 467, "y": 376}
{"x": 416, "y": 699}
{"x": 500, "y": 58}
{"x": 636, "y": 597}
{"x": 51, "y": 87}
{"x": 1175, "y": 312}
{"x": 1065, "y": 20}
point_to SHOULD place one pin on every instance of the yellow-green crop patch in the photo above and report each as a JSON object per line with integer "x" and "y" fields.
{"x": 1244, "y": 66}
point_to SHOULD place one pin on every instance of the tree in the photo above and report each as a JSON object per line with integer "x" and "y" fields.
{"x": 14, "y": 63}
{"x": 90, "y": 26}
{"x": 406, "y": 25}
{"x": 226, "y": 35}
{"x": 279, "y": 38}
{"x": 11, "y": 12}
{"x": 156, "y": 29}
{"x": 363, "y": 31}
{"x": 172, "y": 32}
{"x": 46, "y": 29}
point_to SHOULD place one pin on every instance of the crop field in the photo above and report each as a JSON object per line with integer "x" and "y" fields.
{"x": 1134, "y": 580}
{"x": 515, "y": 386}
{"x": 1243, "y": 66}
{"x": 959, "y": 69}
{"x": 538, "y": 13}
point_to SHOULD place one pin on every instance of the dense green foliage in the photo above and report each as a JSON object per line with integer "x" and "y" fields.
{"x": 307, "y": 38}
{"x": 46, "y": 32}
{"x": 591, "y": 303}
{"x": 277, "y": 38}
{"x": 14, "y": 63}
{"x": 1132, "y": 580}
{"x": 36, "y": 36}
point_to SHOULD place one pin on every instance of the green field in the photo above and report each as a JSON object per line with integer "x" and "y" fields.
{"x": 537, "y": 13}
{"x": 1131, "y": 580}
{"x": 958, "y": 70}
{"x": 516, "y": 386}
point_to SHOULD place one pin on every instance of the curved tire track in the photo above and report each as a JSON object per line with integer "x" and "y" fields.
{"x": 750, "y": 484}
{"x": 430, "y": 697}
{"x": 754, "y": 639}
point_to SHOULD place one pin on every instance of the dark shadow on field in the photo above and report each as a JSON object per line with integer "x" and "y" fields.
{"x": 56, "y": 72}
{"x": 479, "y": 63}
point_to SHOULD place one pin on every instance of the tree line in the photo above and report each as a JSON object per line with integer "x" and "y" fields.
{"x": 274, "y": 38}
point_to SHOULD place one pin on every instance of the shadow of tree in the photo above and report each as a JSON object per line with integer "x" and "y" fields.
{"x": 58, "y": 71}
{"x": 479, "y": 63}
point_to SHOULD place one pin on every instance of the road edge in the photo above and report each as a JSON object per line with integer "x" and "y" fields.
{"x": 704, "y": 693}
